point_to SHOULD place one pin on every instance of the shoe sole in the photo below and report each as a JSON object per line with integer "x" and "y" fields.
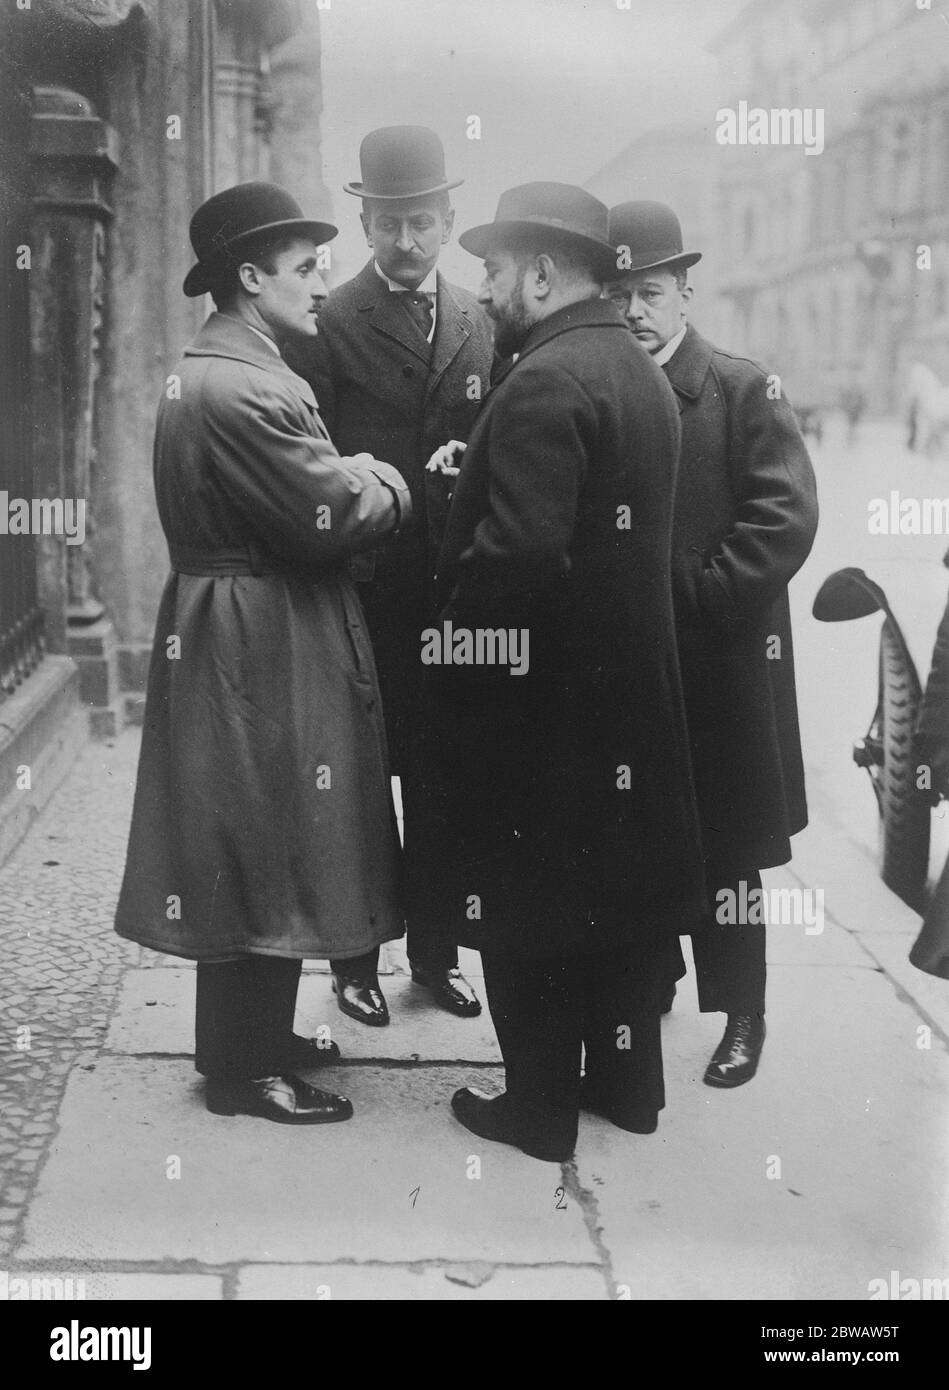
{"x": 219, "y": 1109}
{"x": 721, "y": 1084}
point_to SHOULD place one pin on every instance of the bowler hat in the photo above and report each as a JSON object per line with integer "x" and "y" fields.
{"x": 229, "y": 219}
{"x": 401, "y": 161}
{"x": 561, "y": 210}
{"x": 651, "y": 235}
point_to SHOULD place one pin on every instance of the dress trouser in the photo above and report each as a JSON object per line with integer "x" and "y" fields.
{"x": 244, "y": 1016}
{"x": 729, "y": 957}
{"x": 545, "y": 1010}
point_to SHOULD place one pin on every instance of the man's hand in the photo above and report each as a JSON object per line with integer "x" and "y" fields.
{"x": 442, "y": 461}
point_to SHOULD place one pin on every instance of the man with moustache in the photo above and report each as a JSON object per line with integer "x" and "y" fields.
{"x": 746, "y": 514}
{"x": 401, "y": 365}
{"x": 568, "y": 836}
{"x": 263, "y": 830}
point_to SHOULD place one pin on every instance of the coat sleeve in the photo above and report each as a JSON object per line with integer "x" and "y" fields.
{"x": 296, "y": 492}
{"x": 776, "y": 505}
{"x": 539, "y": 435}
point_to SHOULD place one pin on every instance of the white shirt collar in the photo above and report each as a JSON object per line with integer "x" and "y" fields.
{"x": 664, "y": 354}
{"x": 269, "y": 341}
{"x": 428, "y": 286}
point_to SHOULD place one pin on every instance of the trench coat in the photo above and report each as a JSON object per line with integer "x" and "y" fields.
{"x": 567, "y": 816}
{"x": 262, "y": 821}
{"x": 745, "y": 519}
{"x": 382, "y": 387}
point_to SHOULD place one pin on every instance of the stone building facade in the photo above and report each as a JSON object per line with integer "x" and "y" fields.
{"x": 117, "y": 117}
{"x": 821, "y": 271}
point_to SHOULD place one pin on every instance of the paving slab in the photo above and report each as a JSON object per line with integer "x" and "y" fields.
{"x": 155, "y": 1015}
{"x": 854, "y": 1114}
{"x": 447, "y": 1284}
{"x": 390, "y": 1185}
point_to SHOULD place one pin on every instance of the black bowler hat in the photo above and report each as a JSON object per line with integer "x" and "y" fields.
{"x": 229, "y": 219}
{"x": 401, "y": 161}
{"x": 652, "y": 233}
{"x": 567, "y": 213}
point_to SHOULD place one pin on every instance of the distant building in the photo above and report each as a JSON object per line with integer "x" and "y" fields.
{"x": 117, "y": 117}
{"x": 819, "y": 265}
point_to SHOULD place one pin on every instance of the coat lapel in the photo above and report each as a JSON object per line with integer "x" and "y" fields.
{"x": 688, "y": 367}
{"x": 387, "y": 315}
{"x": 452, "y": 329}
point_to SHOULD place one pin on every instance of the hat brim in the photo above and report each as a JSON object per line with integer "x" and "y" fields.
{"x": 201, "y": 277}
{"x": 481, "y": 240}
{"x": 359, "y": 190}
{"x": 682, "y": 258}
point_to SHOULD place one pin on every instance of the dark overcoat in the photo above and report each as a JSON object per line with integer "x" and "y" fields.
{"x": 568, "y": 818}
{"x": 383, "y": 388}
{"x": 746, "y": 515}
{"x": 263, "y": 820}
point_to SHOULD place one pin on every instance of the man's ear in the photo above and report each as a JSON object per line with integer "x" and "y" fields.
{"x": 686, "y": 294}
{"x": 249, "y": 276}
{"x": 367, "y": 228}
{"x": 449, "y": 223}
{"x": 543, "y": 275}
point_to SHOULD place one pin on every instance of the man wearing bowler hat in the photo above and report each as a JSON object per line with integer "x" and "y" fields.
{"x": 263, "y": 830}
{"x": 746, "y": 514}
{"x": 401, "y": 366}
{"x": 567, "y": 819}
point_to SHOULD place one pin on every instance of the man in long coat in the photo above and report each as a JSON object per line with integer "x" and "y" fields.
{"x": 570, "y": 841}
{"x": 400, "y": 367}
{"x": 263, "y": 830}
{"x": 746, "y": 514}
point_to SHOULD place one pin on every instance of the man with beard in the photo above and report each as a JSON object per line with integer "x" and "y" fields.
{"x": 401, "y": 365}
{"x": 568, "y": 836}
{"x": 746, "y": 514}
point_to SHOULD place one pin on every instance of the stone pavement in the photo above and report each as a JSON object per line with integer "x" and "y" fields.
{"x": 824, "y": 1173}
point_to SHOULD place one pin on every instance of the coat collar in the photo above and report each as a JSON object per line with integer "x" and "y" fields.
{"x": 688, "y": 366}
{"x": 224, "y": 336}
{"x": 452, "y": 320}
{"x": 587, "y": 313}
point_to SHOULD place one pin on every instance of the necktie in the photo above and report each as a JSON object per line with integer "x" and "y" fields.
{"x": 419, "y": 306}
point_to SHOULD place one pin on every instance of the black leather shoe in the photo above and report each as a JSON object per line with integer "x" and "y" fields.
{"x": 450, "y": 989}
{"x": 634, "y": 1119}
{"x": 310, "y": 1052}
{"x": 285, "y": 1099}
{"x": 489, "y": 1118}
{"x": 362, "y": 1000}
{"x": 735, "y": 1060}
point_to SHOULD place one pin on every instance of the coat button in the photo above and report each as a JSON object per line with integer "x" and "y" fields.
{"x": 407, "y": 370}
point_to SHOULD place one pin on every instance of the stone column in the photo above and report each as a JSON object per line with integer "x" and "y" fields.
{"x": 73, "y": 160}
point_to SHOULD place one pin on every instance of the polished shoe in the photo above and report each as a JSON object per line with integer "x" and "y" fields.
{"x": 449, "y": 988}
{"x": 489, "y": 1118}
{"x": 735, "y": 1060}
{"x": 284, "y": 1099}
{"x": 634, "y": 1119}
{"x": 311, "y": 1052}
{"x": 362, "y": 1000}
